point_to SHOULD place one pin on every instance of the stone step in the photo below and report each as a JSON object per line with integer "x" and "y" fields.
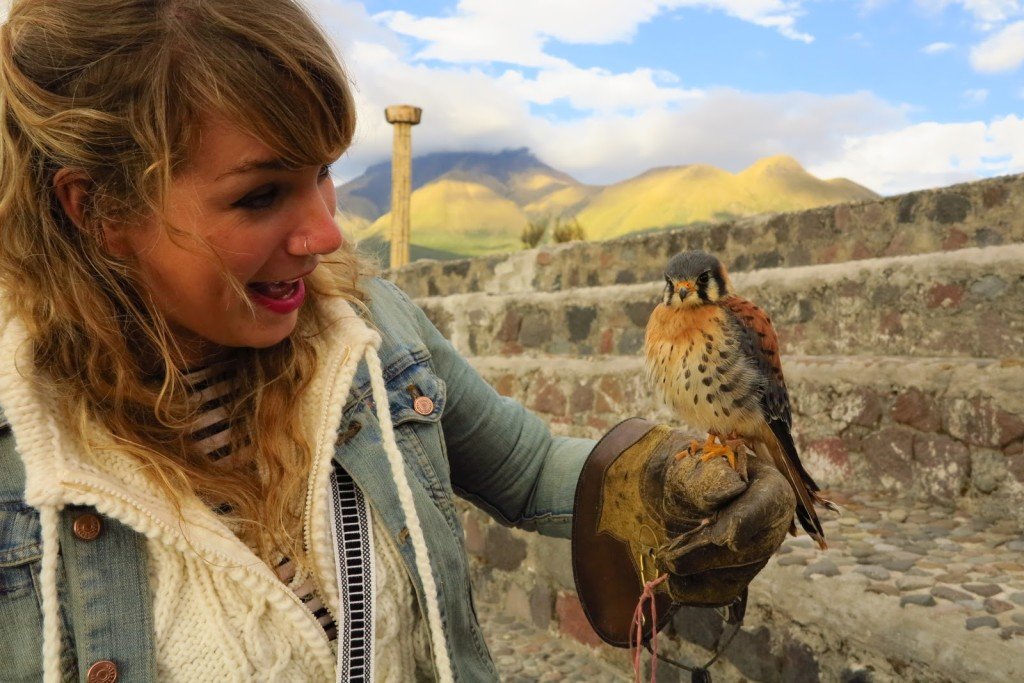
{"x": 907, "y": 591}
{"x": 985, "y": 213}
{"x": 960, "y": 303}
{"x": 949, "y": 429}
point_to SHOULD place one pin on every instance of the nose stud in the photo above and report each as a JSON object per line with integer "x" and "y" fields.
{"x": 305, "y": 244}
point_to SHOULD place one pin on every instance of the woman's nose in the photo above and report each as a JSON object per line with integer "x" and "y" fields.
{"x": 319, "y": 233}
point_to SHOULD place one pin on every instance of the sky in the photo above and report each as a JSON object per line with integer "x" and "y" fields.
{"x": 894, "y": 95}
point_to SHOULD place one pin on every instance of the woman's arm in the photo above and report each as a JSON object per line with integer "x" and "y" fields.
{"x": 503, "y": 458}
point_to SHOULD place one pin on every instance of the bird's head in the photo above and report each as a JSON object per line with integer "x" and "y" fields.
{"x": 695, "y": 278}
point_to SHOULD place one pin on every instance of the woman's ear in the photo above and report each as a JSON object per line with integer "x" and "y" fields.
{"x": 72, "y": 189}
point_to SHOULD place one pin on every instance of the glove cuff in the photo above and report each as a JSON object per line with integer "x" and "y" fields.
{"x": 607, "y": 578}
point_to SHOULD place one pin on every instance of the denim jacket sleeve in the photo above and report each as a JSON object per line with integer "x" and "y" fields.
{"x": 502, "y": 457}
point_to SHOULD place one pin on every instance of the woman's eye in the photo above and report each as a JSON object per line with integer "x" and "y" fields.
{"x": 259, "y": 199}
{"x": 325, "y": 171}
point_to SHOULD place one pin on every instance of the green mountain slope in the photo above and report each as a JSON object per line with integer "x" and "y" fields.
{"x": 689, "y": 194}
{"x": 478, "y": 203}
{"x": 458, "y": 216}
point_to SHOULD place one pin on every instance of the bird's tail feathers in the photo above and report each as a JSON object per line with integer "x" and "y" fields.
{"x": 806, "y": 498}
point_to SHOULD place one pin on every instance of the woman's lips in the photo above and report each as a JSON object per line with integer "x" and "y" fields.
{"x": 278, "y": 297}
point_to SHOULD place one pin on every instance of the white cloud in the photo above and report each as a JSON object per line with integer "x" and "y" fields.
{"x": 937, "y": 48}
{"x": 1003, "y": 51}
{"x": 598, "y": 89}
{"x": 481, "y": 31}
{"x": 930, "y": 154}
{"x": 986, "y": 13}
{"x": 724, "y": 127}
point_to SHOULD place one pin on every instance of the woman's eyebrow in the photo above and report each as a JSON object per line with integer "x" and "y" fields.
{"x": 253, "y": 165}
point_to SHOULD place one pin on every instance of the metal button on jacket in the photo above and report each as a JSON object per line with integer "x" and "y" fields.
{"x": 423, "y": 405}
{"x": 87, "y": 527}
{"x": 103, "y": 671}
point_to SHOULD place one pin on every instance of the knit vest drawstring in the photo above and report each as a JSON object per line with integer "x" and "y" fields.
{"x": 442, "y": 662}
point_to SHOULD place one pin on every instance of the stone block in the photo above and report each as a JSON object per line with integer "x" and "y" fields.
{"x": 988, "y": 287}
{"x": 638, "y": 312}
{"x": 502, "y": 549}
{"x": 950, "y": 207}
{"x": 535, "y": 330}
{"x": 475, "y": 538}
{"x": 861, "y": 407}
{"x": 799, "y": 665}
{"x": 943, "y": 465}
{"x": 955, "y": 239}
{"x": 698, "y": 625}
{"x": 573, "y": 622}
{"x": 541, "y": 604}
{"x": 889, "y": 456}
{"x": 610, "y": 395}
{"x": 946, "y": 295}
{"x": 549, "y": 399}
{"x": 551, "y": 559}
{"x": 582, "y": 399}
{"x": 976, "y": 421}
{"x": 517, "y": 602}
{"x": 993, "y": 196}
{"x": 915, "y": 409}
{"x": 906, "y": 208}
{"x": 578, "y": 320}
{"x": 988, "y": 470}
{"x": 831, "y": 449}
{"x": 510, "y": 326}
{"x": 751, "y": 653}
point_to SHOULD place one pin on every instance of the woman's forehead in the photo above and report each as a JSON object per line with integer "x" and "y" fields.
{"x": 222, "y": 149}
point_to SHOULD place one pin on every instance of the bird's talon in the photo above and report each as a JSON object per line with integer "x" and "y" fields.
{"x": 720, "y": 451}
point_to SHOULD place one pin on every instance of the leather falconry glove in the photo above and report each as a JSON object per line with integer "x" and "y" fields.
{"x": 645, "y": 508}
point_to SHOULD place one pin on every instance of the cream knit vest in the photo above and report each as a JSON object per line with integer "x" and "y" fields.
{"x": 220, "y": 613}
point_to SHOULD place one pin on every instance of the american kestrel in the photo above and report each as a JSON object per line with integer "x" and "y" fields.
{"x": 713, "y": 357}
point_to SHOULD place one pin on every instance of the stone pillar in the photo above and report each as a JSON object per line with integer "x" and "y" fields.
{"x": 403, "y": 117}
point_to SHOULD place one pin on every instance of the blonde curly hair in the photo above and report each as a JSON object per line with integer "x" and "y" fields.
{"x": 115, "y": 89}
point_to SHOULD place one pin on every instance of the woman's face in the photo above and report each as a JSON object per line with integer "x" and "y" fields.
{"x": 268, "y": 224}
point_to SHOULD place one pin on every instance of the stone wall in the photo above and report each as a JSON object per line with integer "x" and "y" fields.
{"x": 902, "y": 335}
{"x": 970, "y": 215}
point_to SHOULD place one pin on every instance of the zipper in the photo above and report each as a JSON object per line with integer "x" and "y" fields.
{"x": 314, "y": 469}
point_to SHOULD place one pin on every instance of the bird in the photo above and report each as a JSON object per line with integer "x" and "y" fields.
{"x": 713, "y": 358}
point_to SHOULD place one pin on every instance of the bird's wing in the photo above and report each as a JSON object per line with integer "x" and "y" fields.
{"x": 760, "y": 343}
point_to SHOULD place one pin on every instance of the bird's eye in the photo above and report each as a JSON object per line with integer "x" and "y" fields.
{"x": 703, "y": 278}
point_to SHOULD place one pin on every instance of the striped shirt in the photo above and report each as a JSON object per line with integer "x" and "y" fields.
{"x": 216, "y": 389}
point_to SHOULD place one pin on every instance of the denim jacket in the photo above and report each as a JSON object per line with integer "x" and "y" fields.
{"x": 486, "y": 448}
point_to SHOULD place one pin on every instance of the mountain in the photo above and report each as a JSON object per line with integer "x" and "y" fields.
{"x": 461, "y": 216}
{"x": 471, "y": 203}
{"x": 680, "y": 195}
{"x": 515, "y": 174}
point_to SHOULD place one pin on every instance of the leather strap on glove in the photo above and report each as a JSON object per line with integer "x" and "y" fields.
{"x": 641, "y": 512}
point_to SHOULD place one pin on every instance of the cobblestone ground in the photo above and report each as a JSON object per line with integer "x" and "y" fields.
{"x": 963, "y": 570}
{"x": 959, "y": 568}
{"x": 524, "y": 654}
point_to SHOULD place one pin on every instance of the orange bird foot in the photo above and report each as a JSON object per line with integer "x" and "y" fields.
{"x": 714, "y": 450}
{"x": 692, "y": 450}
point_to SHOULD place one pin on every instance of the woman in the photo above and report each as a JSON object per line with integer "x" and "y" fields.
{"x": 228, "y": 453}
{"x": 180, "y": 359}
